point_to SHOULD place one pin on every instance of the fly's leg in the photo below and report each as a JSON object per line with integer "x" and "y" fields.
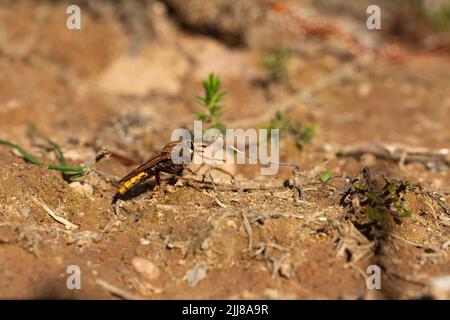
{"x": 193, "y": 172}
{"x": 157, "y": 177}
{"x": 178, "y": 172}
{"x": 160, "y": 185}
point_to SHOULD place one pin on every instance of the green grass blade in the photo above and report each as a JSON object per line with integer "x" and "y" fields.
{"x": 32, "y": 160}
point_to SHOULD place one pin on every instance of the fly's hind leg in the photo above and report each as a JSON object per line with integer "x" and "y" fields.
{"x": 157, "y": 177}
{"x": 158, "y": 185}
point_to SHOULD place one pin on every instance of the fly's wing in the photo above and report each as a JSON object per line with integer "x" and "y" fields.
{"x": 165, "y": 154}
{"x": 147, "y": 165}
{"x": 171, "y": 146}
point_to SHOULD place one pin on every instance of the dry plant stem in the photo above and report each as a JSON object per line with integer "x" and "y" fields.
{"x": 274, "y": 246}
{"x": 277, "y": 264}
{"x": 237, "y": 186}
{"x": 117, "y": 291}
{"x": 436, "y": 197}
{"x": 69, "y": 225}
{"x": 415, "y": 244}
{"x": 446, "y": 245}
{"x": 350, "y": 240}
{"x": 260, "y": 216}
{"x": 107, "y": 177}
{"x": 214, "y": 224}
{"x": 210, "y": 179}
{"x": 400, "y": 154}
{"x": 248, "y": 229}
{"x": 413, "y": 279}
{"x": 401, "y": 162}
{"x": 216, "y": 199}
{"x": 284, "y": 164}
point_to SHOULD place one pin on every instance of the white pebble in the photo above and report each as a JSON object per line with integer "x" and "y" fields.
{"x": 145, "y": 268}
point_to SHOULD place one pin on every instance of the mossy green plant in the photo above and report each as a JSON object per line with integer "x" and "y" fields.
{"x": 390, "y": 201}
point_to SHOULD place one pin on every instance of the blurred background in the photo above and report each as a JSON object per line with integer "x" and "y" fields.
{"x": 120, "y": 80}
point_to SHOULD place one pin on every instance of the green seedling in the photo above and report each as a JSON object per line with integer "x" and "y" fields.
{"x": 276, "y": 64}
{"x": 326, "y": 176}
{"x": 211, "y": 100}
{"x": 302, "y": 134}
{"x": 438, "y": 18}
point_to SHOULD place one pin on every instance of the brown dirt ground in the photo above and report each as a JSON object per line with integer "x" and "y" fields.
{"x": 102, "y": 86}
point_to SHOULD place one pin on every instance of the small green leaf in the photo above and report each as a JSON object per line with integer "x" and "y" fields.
{"x": 373, "y": 214}
{"x": 306, "y": 135}
{"x": 201, "y": 116}
{"x": 402, "y": 211}
{"x": 326, "y": 176}
{"x": 405, "y": 213}
{"x": 211, "y": 100}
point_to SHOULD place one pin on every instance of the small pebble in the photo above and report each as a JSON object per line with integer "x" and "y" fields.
{"x": 25, "y": 211}
{"x": 84, "y": 189}
{"x": 364, "y": 90}
{"x": 145, "y": 268}
{"x": 195, "y": 275}
{"x": 440, "y": 287}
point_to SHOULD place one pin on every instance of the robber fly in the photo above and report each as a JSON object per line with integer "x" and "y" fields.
{"x": 162, "y": 162}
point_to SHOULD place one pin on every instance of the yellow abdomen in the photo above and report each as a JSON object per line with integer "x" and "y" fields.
{"x": 132, "y": 182}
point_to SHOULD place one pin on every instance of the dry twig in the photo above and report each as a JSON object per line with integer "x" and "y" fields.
{"x": 117, "y": 291}
{"x": 237, "y": 186}
{"x": 397, "y": 153}
{"x": 248, "y": 229}
{"x": 68, "y": 225}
